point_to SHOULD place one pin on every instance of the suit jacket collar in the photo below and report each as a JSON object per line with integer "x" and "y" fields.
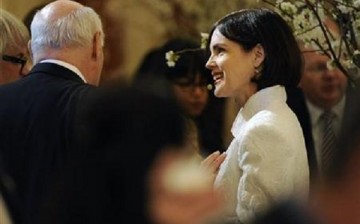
{"x": 55, "y": 70}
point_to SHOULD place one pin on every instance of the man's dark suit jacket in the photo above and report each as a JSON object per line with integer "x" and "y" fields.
{"x": 9, "y": 195}
{"x": 296, "y": 101}
{"x": 36, "y": 121}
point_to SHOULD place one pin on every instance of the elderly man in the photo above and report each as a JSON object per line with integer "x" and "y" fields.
{"x": 37, "y": 112}
{"x": 13, "y": 48}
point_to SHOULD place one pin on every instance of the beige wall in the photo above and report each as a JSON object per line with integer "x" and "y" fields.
{"x": 19, "y": 7}
{"x": 145, "y": 23}
{"x": 138, "y": 37}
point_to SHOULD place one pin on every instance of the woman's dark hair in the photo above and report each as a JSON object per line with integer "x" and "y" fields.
{"x": 283, "y": 61}
{"x": 188, "y": 66}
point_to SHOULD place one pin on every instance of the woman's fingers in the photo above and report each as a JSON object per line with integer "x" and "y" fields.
{"x": 213, "y": 161}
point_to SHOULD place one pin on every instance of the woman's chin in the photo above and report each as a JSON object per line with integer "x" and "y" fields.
{"x": 218, "y": 92}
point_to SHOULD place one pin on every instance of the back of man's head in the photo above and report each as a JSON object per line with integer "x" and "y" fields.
{"x": 63, "y": 25}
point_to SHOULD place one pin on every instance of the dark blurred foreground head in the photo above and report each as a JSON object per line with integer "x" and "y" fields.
{"x": 106, "y": 181}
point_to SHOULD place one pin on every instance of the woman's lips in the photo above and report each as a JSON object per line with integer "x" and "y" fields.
{"x": 217, "y": 77}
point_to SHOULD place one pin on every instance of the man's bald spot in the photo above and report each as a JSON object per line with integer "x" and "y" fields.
{"x": 58, "y": 9}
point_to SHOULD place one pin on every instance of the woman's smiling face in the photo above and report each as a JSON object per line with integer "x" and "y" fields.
{"x": 231, "y": 66}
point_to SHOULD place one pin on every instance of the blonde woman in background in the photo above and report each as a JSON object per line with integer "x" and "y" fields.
{"x": 14, "y": 61}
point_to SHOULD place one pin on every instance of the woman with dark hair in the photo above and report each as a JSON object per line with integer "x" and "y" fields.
{"x": 188, "y": 83}
{"x": 254, "y": 57}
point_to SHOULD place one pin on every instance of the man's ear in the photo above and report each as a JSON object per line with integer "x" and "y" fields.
{"x": 30, "y": 50}
{"x": 259, "y": 55}
{"x": 97, "y": 45}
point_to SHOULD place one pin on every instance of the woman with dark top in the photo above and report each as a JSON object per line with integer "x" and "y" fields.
{"x": 189, "y": 83}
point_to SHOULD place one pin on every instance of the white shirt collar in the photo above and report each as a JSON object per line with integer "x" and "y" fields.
{"x": 66, "y": 65}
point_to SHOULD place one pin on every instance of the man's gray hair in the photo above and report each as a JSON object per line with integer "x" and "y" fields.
{"x": 12, "y": 31}
{"x": 76, "y": 29}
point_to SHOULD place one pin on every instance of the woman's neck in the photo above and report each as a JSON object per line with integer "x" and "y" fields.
{"x": 242, "y": 98}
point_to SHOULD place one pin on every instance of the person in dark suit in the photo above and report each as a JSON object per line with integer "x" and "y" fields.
{"x": 321, "y": 89}
{"x": 10, "y": 209}
{"x": 37, "y": 112}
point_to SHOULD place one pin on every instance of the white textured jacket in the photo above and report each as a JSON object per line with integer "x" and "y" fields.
{"x": 266, "y": 161}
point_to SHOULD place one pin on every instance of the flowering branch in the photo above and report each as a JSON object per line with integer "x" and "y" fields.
{"x": 327, "y": 39}
{"x": 310, "y": 22}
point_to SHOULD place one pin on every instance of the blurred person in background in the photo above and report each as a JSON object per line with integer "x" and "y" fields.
{"x": 14, "y": 61}
{"x": 321, "y": 99}
{"x": 189, "y": 83}
{"x": 14, "y": 64}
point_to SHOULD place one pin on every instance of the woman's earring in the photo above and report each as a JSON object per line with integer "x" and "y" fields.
{"x": 258, "y": 71}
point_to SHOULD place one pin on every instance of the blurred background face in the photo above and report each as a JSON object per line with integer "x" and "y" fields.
{"x": 323, "y": 86}
{"x": 14, "y": 64}
{"x": 191, "y": 96}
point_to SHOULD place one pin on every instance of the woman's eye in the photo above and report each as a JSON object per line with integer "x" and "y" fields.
{"x": 220, "y": 51}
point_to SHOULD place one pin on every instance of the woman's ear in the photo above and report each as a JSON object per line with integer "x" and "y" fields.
{"x": 259, "y": 55}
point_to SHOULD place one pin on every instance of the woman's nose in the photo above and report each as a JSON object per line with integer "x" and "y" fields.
{"x": 210, "y": 63}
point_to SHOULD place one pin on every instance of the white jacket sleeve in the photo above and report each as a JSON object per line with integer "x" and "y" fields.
{"x": 268, "y": 174}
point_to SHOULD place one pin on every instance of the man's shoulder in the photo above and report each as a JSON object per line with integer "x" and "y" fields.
{"x": 56, "y": 72}
{"x": 40, "y": 82}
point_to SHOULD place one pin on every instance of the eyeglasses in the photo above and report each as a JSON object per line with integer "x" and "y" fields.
{"x": 190, "y": 87}
{"x": 15, "y": 60}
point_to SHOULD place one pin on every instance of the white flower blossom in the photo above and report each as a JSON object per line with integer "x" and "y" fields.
{"x": 330, "y": 64}
{"x": 204, "y": 40}
{"x": 357, "y": 4}
{"x": 171, "y": 58}
{"x": 288, "y": 7}
{"x": 344, "y": 9}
